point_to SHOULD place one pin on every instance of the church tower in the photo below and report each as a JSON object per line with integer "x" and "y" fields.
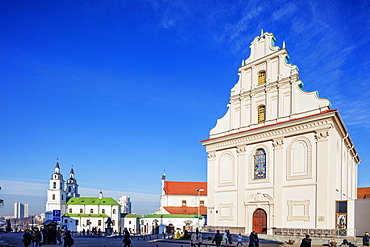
{"x": 56, "y": 195}
{"x": 72, "y": 186}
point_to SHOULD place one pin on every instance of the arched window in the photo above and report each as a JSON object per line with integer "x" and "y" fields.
{"x": 53, "y": 197}
{"x": 103, "y": 211}
{"x": 81, "y": 211}
{"x": 69, "y": 189}
{"x": 260, "y": 164}
{"x": 91, "y": 211}
{"x": 70, "y": 210}
{"x": 99, "y": 222}
{"x": 114, "y": 211}
{"x": 261, "y": 114}
{"x": 54, "y": 185}
{"x": 261, "y": 77}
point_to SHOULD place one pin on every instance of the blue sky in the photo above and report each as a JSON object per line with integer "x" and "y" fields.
{"x": 122, "y": 90}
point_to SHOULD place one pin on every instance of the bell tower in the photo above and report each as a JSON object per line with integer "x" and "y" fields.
{"x": 56, "y": 195}
{"x": 72, "y": 186}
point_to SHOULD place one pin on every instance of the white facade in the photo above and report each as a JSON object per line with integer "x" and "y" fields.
{"x": 56, "y": 195}
{"x": 20, "y": 210}
{"x": 125, "y": 203}
{"x": 279, "y": 156}
{"x": 92, "y": 212}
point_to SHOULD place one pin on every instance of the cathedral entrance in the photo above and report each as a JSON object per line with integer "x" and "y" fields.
{"x": 260, "y": 221}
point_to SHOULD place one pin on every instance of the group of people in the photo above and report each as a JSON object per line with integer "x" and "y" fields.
{"x": 36, "y": 238}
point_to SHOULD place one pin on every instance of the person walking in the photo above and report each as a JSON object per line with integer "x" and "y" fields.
{"x": 252, "y": 240}
{"x": 36, "y": 237}
{"x": 306, "y": 242}
{"x": 217, "y": 238}
{"x": 196, "y": 238}
{"x": 365, "y": 239}
{"x": 27, "y": 238}
{"x": 59, "y": 236}
{"x": 68, "y": 240}
{"x": 126, "y": 238}
{"x": 240, "y": 238}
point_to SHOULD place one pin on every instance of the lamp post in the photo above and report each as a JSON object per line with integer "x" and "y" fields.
{"x": 199, "y": 190}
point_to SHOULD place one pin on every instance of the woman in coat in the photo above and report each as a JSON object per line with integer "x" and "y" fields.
{"x": 126, "y": 238}
{"x": 27, "y": 238}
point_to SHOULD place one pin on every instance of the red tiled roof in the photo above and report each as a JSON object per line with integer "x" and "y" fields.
{"x": 294, "y": 119}
{"x": 363, "y": 193}
{"x": 185, "y": 188}
{"x": 186, "y": 210}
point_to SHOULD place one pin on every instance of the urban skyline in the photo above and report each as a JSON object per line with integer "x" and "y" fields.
{"x": 125, "y": 90}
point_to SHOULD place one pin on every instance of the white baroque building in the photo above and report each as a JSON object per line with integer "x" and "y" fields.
{"x": 280, "y": 157}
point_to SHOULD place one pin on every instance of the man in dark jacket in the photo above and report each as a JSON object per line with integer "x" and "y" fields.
{"x": 37, "y": 237}
{"x": 217, "y": 238}
{"x": 306, "y": 242}
{"x": 27, "y": 238}
{"x": 365, "y": 239}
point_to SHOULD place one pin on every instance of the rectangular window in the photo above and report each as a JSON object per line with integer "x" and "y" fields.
{"x": 341, "y": 215}
{"x": 77, "y": 222}
{"x": 114, "y": 211}
{"x": 91, "y": 211}
{"x": 201, "y": 203}
{"x": 81, "y": 211}
{"x": 88, "y": 222}
{"x": 103, "y": 211}
{"x": 99, "y": 222}
{"x": 66, "y": 221}
{"x": 113, "y": 222}
{"x": 70, "y": 210}
{"x": 183, "y": 203}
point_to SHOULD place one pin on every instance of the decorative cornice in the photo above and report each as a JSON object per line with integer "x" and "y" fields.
{"x": 270, "y": 135}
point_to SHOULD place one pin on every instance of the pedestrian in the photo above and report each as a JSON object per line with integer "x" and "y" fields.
{"x": 252, "y": 240}
{"x": 59, "y": 236}
{"x": 229, "y": 237}
{"x": 306, "y": 242}
{"x": 217, "y": 238}
{"x": 224, "y": 237}
{"x": 365, "y": 239}
{"x": 36, "y": 237}
{"x": 196, "y": 238}
{"x": 68, "y": 240}
{"x": 126, "y": 238}
{"x": 256, "y": 239}
{"x": 27, "y": 238}
{"x": 240, "y": 238}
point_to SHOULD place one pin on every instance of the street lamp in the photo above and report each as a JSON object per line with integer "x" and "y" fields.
{"x": 199, "y": 190}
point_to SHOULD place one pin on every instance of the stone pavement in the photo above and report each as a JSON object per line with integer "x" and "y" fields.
{"x": 15, "y": 239}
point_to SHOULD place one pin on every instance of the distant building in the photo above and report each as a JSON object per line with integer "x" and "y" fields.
{"x": 125, "y": 203}
{"x": 280, "y": 158}
{"x": 80, "y": 213}
{"x": 20, "y": 210}
{"x": 183, "y": 206}
{"x": 88, "y": 212}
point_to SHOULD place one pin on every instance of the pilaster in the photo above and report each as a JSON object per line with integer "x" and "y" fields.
{"x": 241, "y": 178}
{"x": 322, "y": 196}
{"x": 278, "y": 144}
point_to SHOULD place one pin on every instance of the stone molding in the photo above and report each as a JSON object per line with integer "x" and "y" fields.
{"x": 305, "y": 217}
{"x": 308, "y": 159}
{"x": 225, "y": 206}
{"x": 232, "y": 179}
{"x": 269, "y": 135}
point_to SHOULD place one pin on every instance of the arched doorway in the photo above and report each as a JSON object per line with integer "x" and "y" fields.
{"x": 260, "y": 221}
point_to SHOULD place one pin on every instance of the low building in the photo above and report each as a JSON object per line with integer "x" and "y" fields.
{"x": 183, "y": 206}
